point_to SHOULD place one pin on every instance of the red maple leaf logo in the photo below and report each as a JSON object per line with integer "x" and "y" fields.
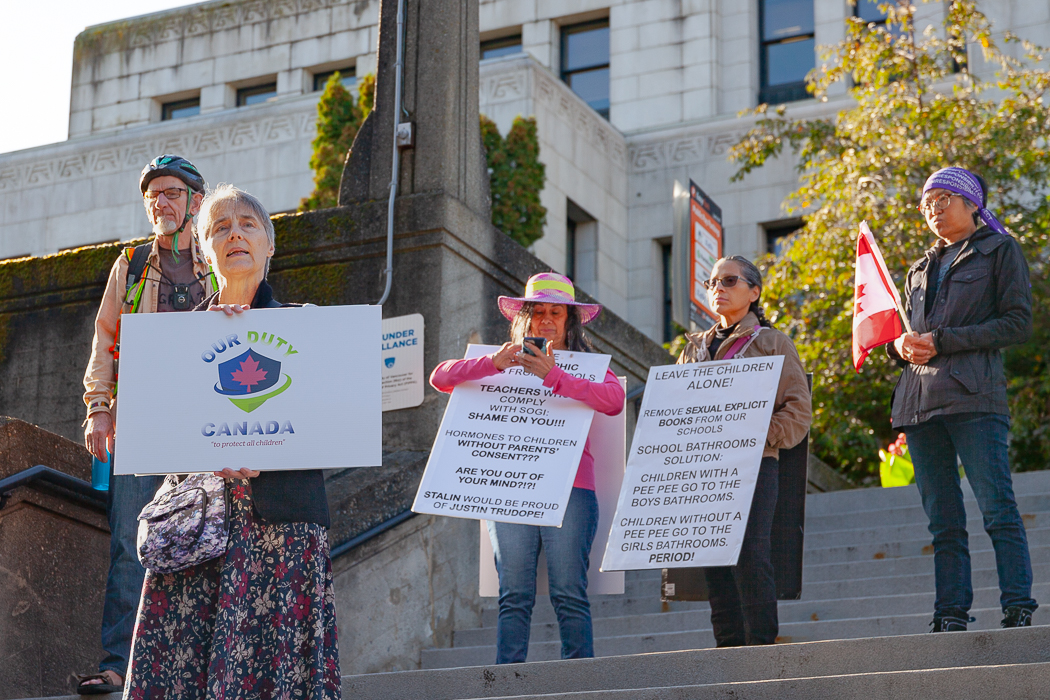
{"x": 249, "y": 373}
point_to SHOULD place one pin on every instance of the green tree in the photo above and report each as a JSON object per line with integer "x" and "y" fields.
{"x": 338, "y": 119}
{"x": 516, "y": 178}
{"x": 914, "y": 107}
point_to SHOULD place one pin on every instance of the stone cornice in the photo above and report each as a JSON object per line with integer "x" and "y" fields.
{"x": 195, "y": 20}
{"x": 131, "y": 149}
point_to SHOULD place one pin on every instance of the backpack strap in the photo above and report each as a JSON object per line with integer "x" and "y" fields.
{"x": 137, "y": 259}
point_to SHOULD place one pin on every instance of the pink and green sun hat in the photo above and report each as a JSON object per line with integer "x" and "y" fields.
{"x": 549, "y": 288}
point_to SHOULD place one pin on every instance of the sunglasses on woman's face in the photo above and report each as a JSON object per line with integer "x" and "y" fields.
{"x": 727, "y": 282}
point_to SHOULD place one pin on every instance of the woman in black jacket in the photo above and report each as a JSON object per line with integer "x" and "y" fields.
{"x": 258, "y": 621}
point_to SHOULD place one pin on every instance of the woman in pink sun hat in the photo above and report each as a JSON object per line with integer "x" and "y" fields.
{"x": 548, "y": 310}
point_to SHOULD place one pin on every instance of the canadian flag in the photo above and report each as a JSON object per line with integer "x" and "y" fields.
{"x": 875, "y": 300}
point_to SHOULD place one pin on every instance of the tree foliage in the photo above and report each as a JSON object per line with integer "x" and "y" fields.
{"x": 339, "y": 116}
{"x": 914, "y": 107}
{"x": 516, "y": 178}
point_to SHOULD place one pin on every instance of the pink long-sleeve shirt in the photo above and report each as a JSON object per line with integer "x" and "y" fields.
{"x": 606, "y": 396}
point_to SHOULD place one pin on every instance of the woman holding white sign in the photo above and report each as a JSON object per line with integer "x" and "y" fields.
{"x": 546, "y": 319}
{"x": 744, "y": 597}
{"x": 260, "y": 616}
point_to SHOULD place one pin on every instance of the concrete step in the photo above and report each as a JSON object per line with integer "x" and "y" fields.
{"x": 855, "y": 628}
{"x": 961, "y": 683}
{"x": 901, "y": 566}
{"x": 922, "y": 546}
{"x": 874, "y": 587}
{"x": 910, "y": 515}
{"x": 1024, "y": 649}
{"x": 897, "y": 533}
{"x": 860, "y": 500}
{"x": 920, "y": 603}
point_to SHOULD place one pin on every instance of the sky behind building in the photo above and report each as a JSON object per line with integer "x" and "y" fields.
{"x": 36, "y": 50}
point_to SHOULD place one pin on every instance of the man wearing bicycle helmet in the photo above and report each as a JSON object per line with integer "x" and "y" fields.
{"x": 168, "y": 273}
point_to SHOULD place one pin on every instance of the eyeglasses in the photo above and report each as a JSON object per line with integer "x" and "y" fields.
{"x": 172, "y": 194}
{"x": 727, "y": 282}
{"x": 935, "y": 204}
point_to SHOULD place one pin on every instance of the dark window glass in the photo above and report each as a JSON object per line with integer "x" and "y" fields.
{"x": 181, "y": 109}
{"x": 783, "y": 19}
{"x": 665, "y": 255}
{"x": 777, "y": 236}
{"x": 868, "y": 10}
{"x": 585, "y": 62}
{"x": 788, "y": 50}
{"x": 570, "y": 249}
{"x": 504, "y": 46}
{"x": 256, "y": 94}
{"x": 347, "y": 76}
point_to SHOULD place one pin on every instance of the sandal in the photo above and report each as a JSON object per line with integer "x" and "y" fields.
{"x": 98, "y": 688}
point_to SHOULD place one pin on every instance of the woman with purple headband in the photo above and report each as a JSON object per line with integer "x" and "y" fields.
{"x": 967, "y": 299}
{"x": 548, "y": 310}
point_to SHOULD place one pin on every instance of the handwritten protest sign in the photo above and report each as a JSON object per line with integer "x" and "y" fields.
{"x": 693, "y": 464}
{"x": 266, "y": 389}
{"x": 508, "y": 448}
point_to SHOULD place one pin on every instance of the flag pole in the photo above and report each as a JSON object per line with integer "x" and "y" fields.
{"x": 885, "y": 271}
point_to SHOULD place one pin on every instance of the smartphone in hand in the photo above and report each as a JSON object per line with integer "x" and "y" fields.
{"x": 528, "y": 342}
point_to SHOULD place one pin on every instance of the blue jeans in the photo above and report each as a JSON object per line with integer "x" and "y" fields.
{"x": 979, "y": 439}
{"x": 568, "y": 550}
{"x": 128, "y": 495}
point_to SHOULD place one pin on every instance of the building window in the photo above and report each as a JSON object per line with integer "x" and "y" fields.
{"x": 585, "y": 62}
{"x": 581, "y": 247}
{"x": 504, "y": 46}
{"x": 180, "y": 109}
{"x": 868, "y": 10}
{"x": 570, "y": 249}
{"x": 256, "y": 94}
{"x": 788, "y": 49}
{"x": 666, "y": 259}
{"x": 777, "y": 236}
{"x": 347, "y": 76}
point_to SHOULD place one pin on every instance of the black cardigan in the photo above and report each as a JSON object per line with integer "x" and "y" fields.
{"x": 284, "y": 496}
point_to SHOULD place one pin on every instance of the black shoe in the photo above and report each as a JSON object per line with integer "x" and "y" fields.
{"x": 949, "y": 624}
{"x": 1016, "y": 616}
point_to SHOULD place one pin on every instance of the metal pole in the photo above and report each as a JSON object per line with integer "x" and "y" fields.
{"x": 396, "y": 162}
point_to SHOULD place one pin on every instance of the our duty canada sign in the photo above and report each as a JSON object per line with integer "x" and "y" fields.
{"x": 693, "y": 464}
{"x": 267, "y": 389}
{"x": 508, "y": 448}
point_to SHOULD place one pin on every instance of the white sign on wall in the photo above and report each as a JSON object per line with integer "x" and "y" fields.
{"x": 403, "y": 381}
{"x": 508, "y": 448}
{"x": 693, "y": 464}
{"x": 609, "y": 448}
{"x": 294, "y": 388}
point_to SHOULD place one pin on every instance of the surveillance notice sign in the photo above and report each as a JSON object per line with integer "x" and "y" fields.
{"x": 693, "y": 464}
{"x": 508, "y": 448}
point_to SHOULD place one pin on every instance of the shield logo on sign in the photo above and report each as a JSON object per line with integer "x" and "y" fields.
{"x": 389, "y": 362}
{"x": 247, "y": 380}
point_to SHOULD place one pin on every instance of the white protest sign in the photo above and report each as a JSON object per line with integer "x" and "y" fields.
{"x": 693, "y": 464}
{"x": 402, "y": 362}
{"x": 294, "y": 388}
{"x": 508, "y": 448}
{"x": 608, "y": 438}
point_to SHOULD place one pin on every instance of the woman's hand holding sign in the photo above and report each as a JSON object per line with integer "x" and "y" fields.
{"x": 237, "y": 473}
{"x": 230, "y": 309}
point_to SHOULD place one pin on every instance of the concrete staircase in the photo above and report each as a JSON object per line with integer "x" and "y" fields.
{"x": 868, "y": 575}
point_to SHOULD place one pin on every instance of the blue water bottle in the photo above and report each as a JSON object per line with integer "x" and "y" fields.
{"x": 100, "y": 473}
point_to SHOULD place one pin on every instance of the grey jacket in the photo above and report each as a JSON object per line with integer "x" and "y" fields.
{"x": 984, "y": 304}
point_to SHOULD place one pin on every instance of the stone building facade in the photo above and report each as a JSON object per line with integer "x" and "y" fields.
{"x": 232, "y": 85}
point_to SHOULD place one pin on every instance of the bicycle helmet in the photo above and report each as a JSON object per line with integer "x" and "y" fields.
{"x": 176, "y": 166}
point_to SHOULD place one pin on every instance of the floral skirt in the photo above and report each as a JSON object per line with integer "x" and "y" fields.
{"x": 258, "y": 622}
